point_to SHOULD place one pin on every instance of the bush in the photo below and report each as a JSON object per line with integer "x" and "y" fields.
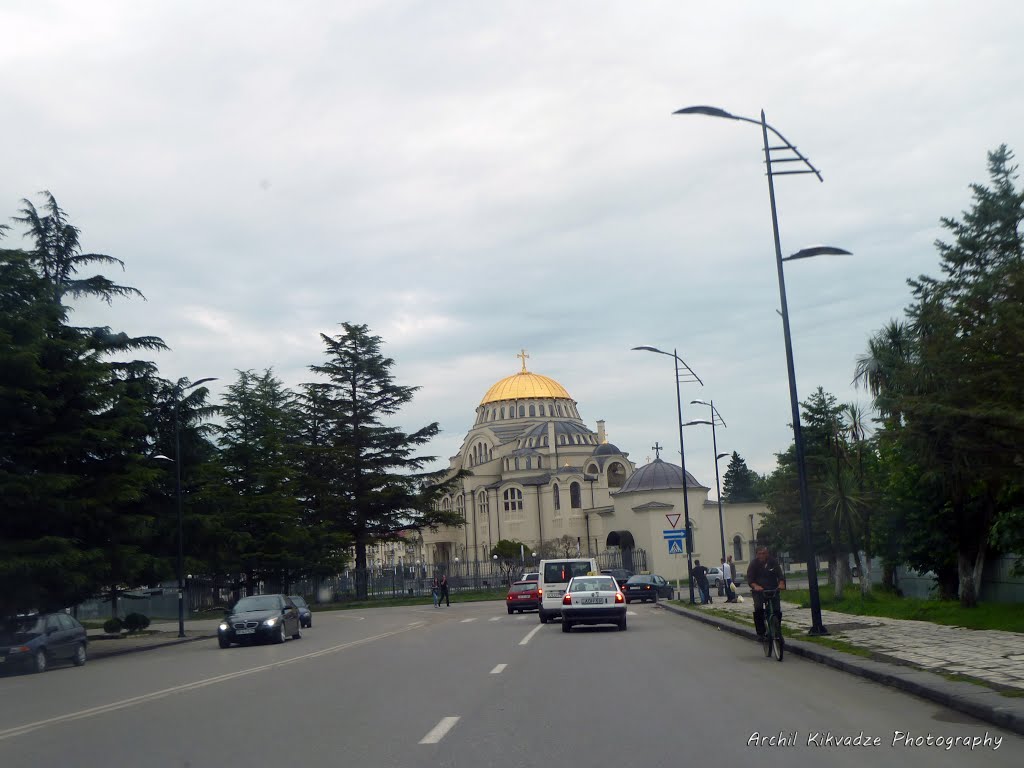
{"x": 135, "y": 622}
{"x": 113, "y": 626}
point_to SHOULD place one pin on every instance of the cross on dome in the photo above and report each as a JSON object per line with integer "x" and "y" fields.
{"x": 522, "y": 354}
{"x": 657, "y": 450}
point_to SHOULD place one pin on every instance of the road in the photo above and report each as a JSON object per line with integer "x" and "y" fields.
{"x": 471, "y": 686}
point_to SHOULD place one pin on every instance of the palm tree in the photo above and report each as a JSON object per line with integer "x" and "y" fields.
{"x": 889, "y": 351}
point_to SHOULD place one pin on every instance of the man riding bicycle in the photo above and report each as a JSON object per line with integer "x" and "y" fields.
{"x": 763, "y": 573}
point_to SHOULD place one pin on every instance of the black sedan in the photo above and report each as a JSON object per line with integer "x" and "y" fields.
{"x": 32, "y": 643}
{"x": 305, "y": 614}
{"x": 646, "y": 586}
{"x": 260, "y": 618}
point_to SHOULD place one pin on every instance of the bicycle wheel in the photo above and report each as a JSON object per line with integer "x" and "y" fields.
{"x": 776, "y": 632}
{"x": 768, "y": 638}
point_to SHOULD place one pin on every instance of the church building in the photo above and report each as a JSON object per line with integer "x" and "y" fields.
{"x": 542, "y": 476}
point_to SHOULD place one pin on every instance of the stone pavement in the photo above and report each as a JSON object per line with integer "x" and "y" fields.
{"x": 157, "y": 635}
{"x": 915, "y": 656}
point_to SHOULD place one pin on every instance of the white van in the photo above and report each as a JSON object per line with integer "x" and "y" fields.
{"x": 554, "y": 578}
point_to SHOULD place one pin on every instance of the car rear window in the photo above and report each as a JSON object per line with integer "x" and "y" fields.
{"x": 559, "y": 572}
{"x": 593, "y": 585}
{"x": 524, "y": 587}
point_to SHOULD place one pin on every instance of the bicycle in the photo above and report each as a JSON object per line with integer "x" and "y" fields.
{"x": 773, "y": 641}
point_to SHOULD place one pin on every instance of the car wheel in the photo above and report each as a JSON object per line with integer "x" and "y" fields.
{"x": 655, "y": 599}
{"x": 543, "y": 618}
{"x": 80, "y": 655}
{"x": 281, "y": 636}
{"x": 622, "y": 624}
{"x": 628, "y": 601}
{"x": 298, "y": 632}
{"x": 510, "y": 611}
{"x": 566, "y": 625}
{"x": 223, "y": 642}
{"x": 39, "y": 661}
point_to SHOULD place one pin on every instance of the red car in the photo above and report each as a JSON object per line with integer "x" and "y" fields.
{"x": 523, "y": 596}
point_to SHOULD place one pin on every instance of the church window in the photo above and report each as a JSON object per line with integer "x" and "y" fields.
{"x": 616, "y": 475}
{"x": 561, "y": 439}
{"x": 540, "y": 409}
{"x": 513, "y": 498}
{"x": 503, "y": 411}
{"x": 522, "y": 411}
{"x": 560, "y": 410}
{"x": 460, "y": 506}
{"x": 517, "y": 462}
{"x": 592, "y": 469}
{"x": 737, "y": 548}
{"x": 529, "y": 462}
{"x": 575, "y": 496}
{"x": 556, "y": 497}
{"x": 481, "y": 503}
{"x": 540, "y": 462}
{"x": 533, "y": 410}
{"x": 446, "y": 504}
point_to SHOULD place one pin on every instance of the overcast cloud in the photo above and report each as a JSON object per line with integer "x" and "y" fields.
{"x": 469, "y": 178}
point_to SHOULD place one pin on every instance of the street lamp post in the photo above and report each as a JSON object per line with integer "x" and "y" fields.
{"x": 179, "y": 396}
{"x": 688, "y": 376}
{"x": 790, "y": 155}
{"x": 716, "y": 418}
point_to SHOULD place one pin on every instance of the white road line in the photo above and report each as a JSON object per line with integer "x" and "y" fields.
{"x": 495, "y": 618}
{"x": 531, "y": 633}
{"x": 499, "y": 669}
{"x": 438, "y": 731}
{"x": 125, "y": 703}
{"x": 466, "y": 621}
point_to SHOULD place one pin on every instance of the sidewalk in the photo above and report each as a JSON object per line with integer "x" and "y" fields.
{"x": 913, "y": 656}
{"x": 102, "y": 645}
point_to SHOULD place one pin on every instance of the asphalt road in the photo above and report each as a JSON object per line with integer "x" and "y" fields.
{"x": 471, "y": 686}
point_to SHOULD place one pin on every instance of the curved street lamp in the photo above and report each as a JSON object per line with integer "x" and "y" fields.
{"x": 687, "y": 376}
{"x": 716, "y": 418}
{"x": 788, "y": 153}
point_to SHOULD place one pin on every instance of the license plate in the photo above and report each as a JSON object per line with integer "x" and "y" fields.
{"x": 525, "y": 597}
{"x": 592, "y": 601}
{"x": 245, "y": 631}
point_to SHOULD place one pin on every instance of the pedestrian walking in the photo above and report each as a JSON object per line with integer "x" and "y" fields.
{"x": 435, "y": 591}
{"x": 700, "y": 577}
{"x": 727, "y": 581}
{"x": 444, "y": 591}
{"x": 733, "y": 576}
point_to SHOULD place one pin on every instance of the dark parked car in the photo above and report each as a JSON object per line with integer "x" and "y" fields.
{"x": 305, "y": 615}
{"x": 646, "y": 586}
{"x": 523, "y": 596}
{"x": 621, "y": 575}
{"x": 260, "y": 618}
{"x": 34, "y": 642}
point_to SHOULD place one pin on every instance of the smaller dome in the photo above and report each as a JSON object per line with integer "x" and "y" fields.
{"x": 658, "y": 476}
{"x": 607, "y": 449}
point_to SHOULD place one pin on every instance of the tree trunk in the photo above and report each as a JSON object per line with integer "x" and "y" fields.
{"x": 865, "y": 575}
{"x": 969, "y": 569}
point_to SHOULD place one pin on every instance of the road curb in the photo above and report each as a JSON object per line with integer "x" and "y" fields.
{"x": 105, "y": 654}
{"x": 974, "y": 700}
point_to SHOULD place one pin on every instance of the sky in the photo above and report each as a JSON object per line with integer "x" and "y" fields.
{"x": 471, "y": 179}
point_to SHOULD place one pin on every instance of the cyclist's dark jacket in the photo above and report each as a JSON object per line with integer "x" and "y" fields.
{"x": 767, "y": 574}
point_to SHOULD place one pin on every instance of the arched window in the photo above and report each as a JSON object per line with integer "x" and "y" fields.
{"x": 737, "y": 549}
{"x": 616, "y": 475}
{"x": 575, "y": 496}
{"x": 556, "y": 496}
{"x": 513, "y": 499}
{"x": 460, "y": 506}
{"x": 446, "y": 504}
{"x": 517, "y": 462}
{"x": 592, "y": 469}
{"x": 481, "y": 503}
{"x": 561, "y": 439}
{"x": 541, "y": 409}
{"x": 522, "y": 411}
{"x": 529, "y": 462}
{"x": 503, "y": 411}
{"x": 560, "y": 410}
{"x": 540, "y": 462}
{"x": 533, "y": 410}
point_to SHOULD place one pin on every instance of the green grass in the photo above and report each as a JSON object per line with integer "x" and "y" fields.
{"x": 1004, "y": 616}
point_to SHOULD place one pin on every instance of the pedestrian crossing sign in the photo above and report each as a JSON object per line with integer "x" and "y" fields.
{"x": 675, "y": 547}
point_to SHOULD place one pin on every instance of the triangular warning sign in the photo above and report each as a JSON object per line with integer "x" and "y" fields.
{"x": 673, "y": 519}
{"x": 675, "y": 547}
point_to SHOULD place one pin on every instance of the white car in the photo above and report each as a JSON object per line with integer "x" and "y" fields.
{"x": 715, "y": 578}
{"x": 593, "y": 600}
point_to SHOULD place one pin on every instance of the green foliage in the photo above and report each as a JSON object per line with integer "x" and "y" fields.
{"x": 360, "y": 475}
{"x": 740, "y": 483}
{"x": 113, "y": 626}
{"x": 135, "y": 622}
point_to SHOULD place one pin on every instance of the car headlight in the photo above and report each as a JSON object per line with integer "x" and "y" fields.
{"x": 223, "y": 627}
{"x": 270, "y": 622}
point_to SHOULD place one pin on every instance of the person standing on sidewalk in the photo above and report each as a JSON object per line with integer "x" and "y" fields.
{"x": 727, "y": 581}
{"x": 435, "y": 591}
{"x": 700, "y": 577}
{"x": 733, "y": 578}
{"x": 444, "y": 591}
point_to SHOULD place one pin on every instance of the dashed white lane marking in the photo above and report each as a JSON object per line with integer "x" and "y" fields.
{"x": 466, "y": 621}
{"x": 499, "y": 669}
{"x": 531, "y": 633}
{"x": 495, "y": 618}
{"x": 342, "y": 615}
{"x": 125, "y": 703}
{"x": 438, "y": 731}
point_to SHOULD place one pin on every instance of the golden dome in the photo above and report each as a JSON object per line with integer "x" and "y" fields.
{"x": 525, "y": 385}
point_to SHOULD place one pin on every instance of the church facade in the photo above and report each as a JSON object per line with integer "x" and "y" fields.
{"x": 540, "y": 474}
